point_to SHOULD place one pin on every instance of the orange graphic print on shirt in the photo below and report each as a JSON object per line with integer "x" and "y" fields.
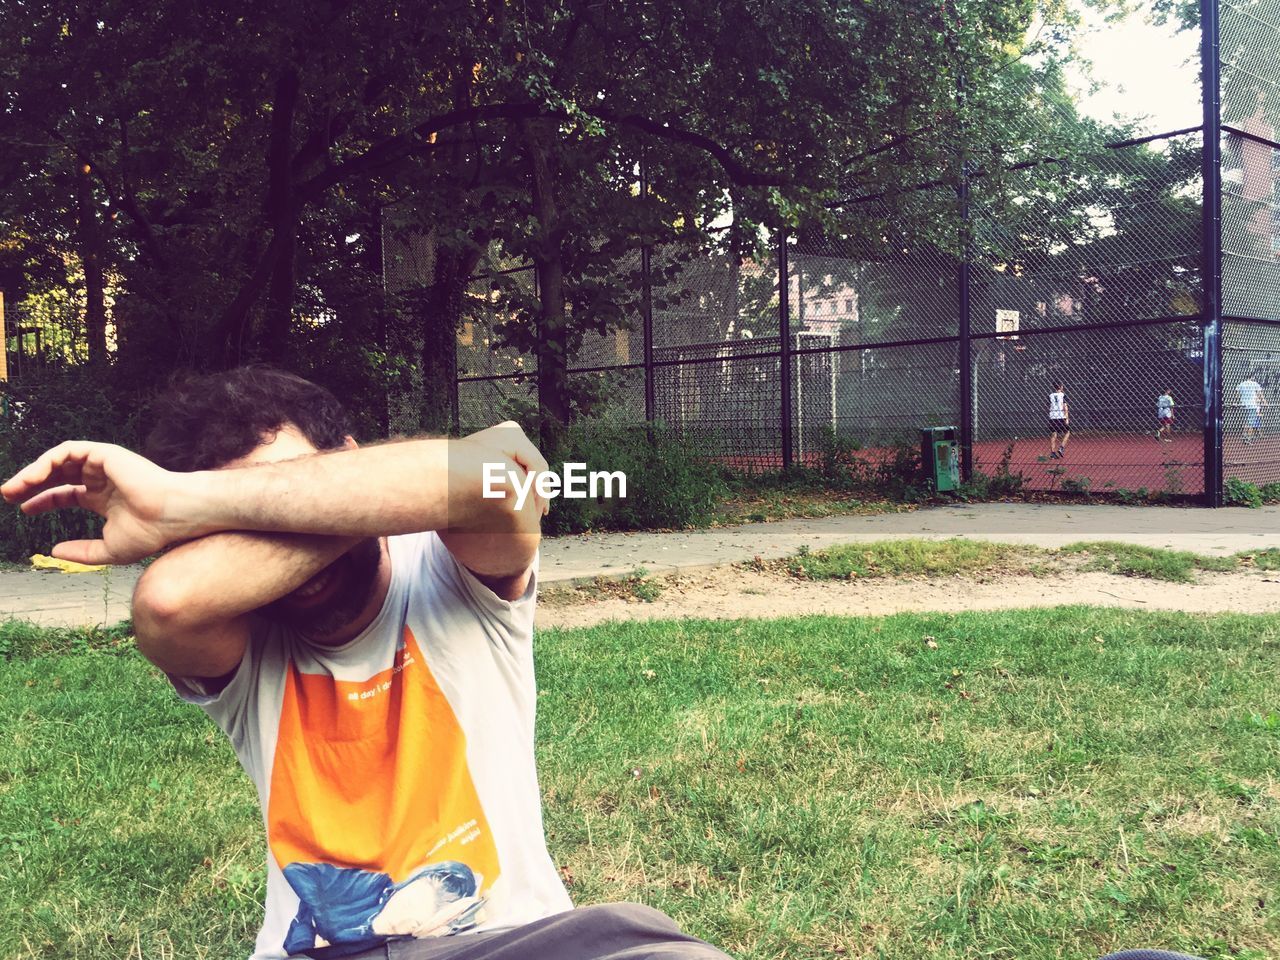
{"x": 373, "y": 816}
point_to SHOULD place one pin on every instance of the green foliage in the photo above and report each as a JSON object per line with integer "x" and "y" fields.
{"x": 669, "y": 484}
{"x": 1269, "y": 722}
{"x": 104, "y": 768}
{"x": 890, "y": 472}
{"x": 838, "y": 456}
{"x": 1245, "y": 494}
{"x": 1077, "y": 485}
{"x": 1268, "y": 559}
{"x": 641, "y": 586}
{"x": 1173, "y": 485}
{"x": 387, "y": 165}
{"x": 1003, "y": 483}
{"x": 1242, "y": 493}
{"x": 1129, "y": 497}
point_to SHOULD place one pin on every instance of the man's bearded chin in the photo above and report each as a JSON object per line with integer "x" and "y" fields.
{"x": 355, "y": 574}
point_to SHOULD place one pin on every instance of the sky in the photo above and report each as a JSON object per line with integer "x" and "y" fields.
{"x": 1146, "y": 71}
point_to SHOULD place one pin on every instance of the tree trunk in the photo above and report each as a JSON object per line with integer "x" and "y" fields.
{"x": 548, "y": 261}
{"x": 371, "y": 261}
{"x": 225, "y": 344}
{"x": 283, "y": 211}
{"x": 90, "y": 237}
{"x": 279, "y": 313}
{"x": 553, "y": 366}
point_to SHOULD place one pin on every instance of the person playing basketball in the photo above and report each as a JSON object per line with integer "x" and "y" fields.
{"x": 1059, "y": 422}
{"x": 1164, "y": 414}
{"x": 1252, "y": 400}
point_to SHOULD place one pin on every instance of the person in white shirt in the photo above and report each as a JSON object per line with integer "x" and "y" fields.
{"x": 1164, "y": 415}
{"x": 359, "y": 623}
{"x": 1059, "y": 422}
{"x": 1252, "y": 400}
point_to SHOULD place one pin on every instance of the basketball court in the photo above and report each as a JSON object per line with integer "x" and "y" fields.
{"x": 1103, "y": 462}
{"x": 1097, "y": 463}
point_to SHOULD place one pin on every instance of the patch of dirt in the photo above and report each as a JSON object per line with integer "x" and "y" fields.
{"x": 739, "y": 592}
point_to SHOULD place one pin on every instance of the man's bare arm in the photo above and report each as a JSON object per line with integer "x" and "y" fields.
{"x": 390, "y": 489}
{"x": 191, "y": 607}
{"x": 395, "y": 488}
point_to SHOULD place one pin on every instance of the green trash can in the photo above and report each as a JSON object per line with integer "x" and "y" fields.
{"x": 940, "y": 456}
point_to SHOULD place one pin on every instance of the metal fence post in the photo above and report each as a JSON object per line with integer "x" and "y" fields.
{"x": 784, "y": 344}
{"x": 455, "y": 408}
{"x": 966, "y": 365}
{"x": 964, "y": 279}
{"x": 646, "y": 301}
{"x": 1211, "y": 250}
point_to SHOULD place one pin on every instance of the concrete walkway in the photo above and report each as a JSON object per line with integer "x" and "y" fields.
{"x": 57, "y": 599}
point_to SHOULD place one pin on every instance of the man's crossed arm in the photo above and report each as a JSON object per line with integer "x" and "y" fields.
{"x": 248, "y": 536}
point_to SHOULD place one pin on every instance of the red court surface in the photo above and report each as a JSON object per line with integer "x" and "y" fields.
{"x": 1107, "y": 461}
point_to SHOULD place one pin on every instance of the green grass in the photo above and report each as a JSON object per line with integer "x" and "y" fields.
{"x": 908, "y": 558}
{"x": 23, "y": 640}
{"x": 962, "y": 556}
{"x": 1127, "y": 559}
{"x": 1268, "y": 559}
{"x": 636, "y": 586}
{"x": 1019, "y": 786}
{"x": 640, "y": 586}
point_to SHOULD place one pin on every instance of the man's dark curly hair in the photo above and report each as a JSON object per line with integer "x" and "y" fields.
{"x": 204, "y": 422}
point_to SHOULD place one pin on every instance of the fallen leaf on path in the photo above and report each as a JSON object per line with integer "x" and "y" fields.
{"x": 40, "y": 562}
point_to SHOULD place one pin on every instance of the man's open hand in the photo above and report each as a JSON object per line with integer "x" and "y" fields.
{"x": 127, "y": 490}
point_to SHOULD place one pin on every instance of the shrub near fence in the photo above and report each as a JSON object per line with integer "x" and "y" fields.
{"x": 668, "y": 484}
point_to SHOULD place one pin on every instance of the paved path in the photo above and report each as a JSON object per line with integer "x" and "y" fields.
{"x": 80, "y": 599}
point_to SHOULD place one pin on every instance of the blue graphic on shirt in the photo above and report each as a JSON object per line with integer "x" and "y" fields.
{"x": 361, "y": 909}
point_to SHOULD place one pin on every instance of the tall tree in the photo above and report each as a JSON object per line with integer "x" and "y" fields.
{"x": 231, "y": 146}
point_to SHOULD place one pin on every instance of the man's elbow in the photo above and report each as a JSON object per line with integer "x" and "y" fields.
{"x": 171, "y": 632}
{"x": 159, "y": 609}
{"x": 155, "y": 598}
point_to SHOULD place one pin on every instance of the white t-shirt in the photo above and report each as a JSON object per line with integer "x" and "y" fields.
{"x": 1164, "y": 405}
{"x": 396, "y": 773}
{"x": 1250, "y": 393}
{"x": 1058, "y": 406}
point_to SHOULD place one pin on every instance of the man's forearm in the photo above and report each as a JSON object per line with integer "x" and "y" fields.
{"x": 395, "y": 488}
{"x": 225, "y": 575}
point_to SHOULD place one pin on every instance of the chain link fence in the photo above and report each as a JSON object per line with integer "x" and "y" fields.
{"x": 1068, "y": 264}
{"x": 1250, "y": 191}
{"x": 1080, "y": 264}
{"x": 1094, "y": 282}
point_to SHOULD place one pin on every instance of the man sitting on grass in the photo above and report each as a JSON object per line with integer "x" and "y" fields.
{"x": 359, "y": 622}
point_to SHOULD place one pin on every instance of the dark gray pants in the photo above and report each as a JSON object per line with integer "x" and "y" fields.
{"x": 614, "y": 931}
